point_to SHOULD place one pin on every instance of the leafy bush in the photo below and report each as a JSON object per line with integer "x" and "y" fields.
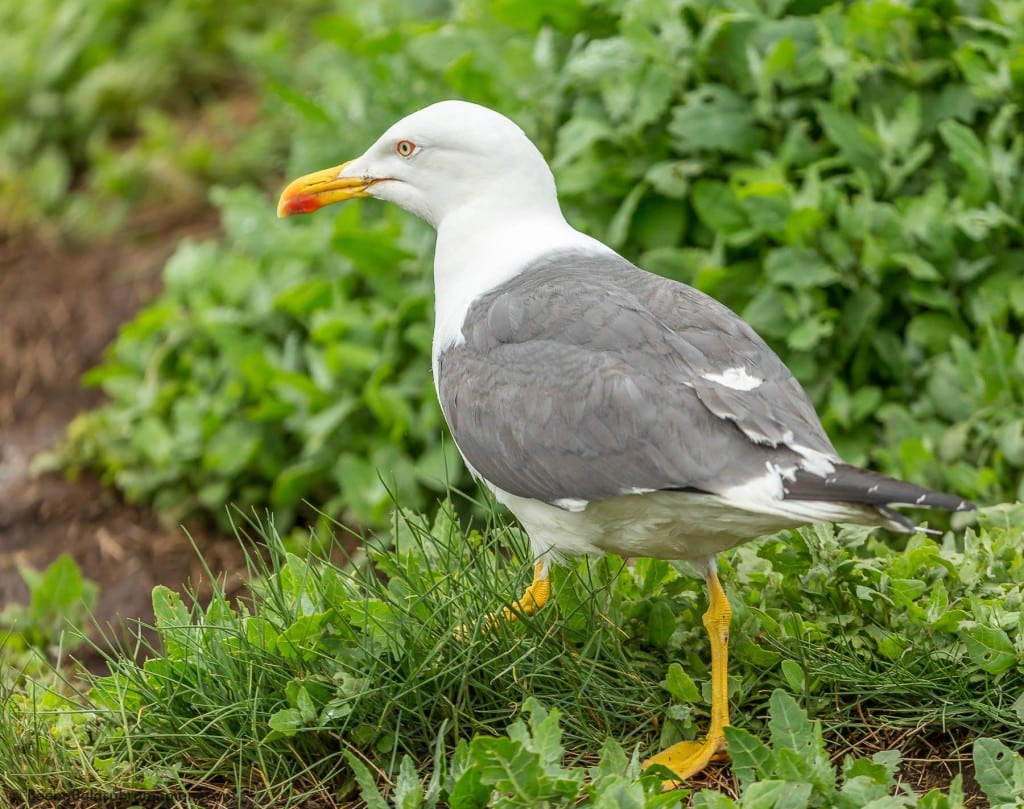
{"x": 848, "y": 177}
{"x": 99, "y": 101}
{"x": 525, "y": 768}
{"x": 59, "y": 598}
{"x": 269, "y": 373}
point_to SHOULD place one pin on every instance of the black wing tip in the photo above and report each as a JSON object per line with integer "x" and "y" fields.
{"x": 940, "y": 500}
{"x": 850, "y": 484}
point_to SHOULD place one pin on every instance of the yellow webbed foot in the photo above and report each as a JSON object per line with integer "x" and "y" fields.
{"x": 533, "y": 598}
{"x": 686, "y": 759}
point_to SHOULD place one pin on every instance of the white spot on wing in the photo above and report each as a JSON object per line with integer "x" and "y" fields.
{"x": 785, "y": 472}
{"x": 735, "y": 378}
{"x": 814, "y": 461}
{"x": 571, "y": 504}
{"x": 636, "y": 490}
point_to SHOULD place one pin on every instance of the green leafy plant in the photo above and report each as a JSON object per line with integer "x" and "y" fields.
{"x": 857, "y": 198}
{"x": 60, "y": 598}
{"x": 275, "y": 370}
{"x": 525, "y": 768}
{"x": 388, "y": 671}
{"x": 100, "y": 101}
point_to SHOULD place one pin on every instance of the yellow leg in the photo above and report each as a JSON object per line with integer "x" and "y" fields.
{"x": 535, "y": 596}
{"x": 689, "y": 758}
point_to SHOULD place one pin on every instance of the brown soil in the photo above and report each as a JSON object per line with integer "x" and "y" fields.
{"x": 59, "y": 308}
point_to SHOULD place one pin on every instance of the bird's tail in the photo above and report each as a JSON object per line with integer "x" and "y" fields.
{"x": 850, "y": 484}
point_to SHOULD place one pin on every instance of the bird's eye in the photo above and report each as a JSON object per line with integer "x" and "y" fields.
{"x": 405, "y": 148}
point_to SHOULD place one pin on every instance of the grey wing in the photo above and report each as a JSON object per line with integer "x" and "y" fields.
{"x": 777, "y": 412}
{"x": 568, "y": 387}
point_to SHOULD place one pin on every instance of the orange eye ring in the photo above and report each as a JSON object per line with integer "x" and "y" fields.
{"x": 405, "y": 148}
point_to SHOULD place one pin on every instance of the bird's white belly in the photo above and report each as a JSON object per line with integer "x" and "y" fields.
{"x": 663, "y": 525}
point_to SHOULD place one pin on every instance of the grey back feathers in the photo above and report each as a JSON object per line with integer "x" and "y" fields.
{"x": 585, "y": 377}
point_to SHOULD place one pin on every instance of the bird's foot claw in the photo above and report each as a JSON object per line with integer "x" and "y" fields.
{"x": 535, "y": 597}
{"x": 463, "y": 632}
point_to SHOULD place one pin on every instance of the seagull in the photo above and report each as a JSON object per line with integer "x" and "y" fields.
{"x": 610, "y": 409}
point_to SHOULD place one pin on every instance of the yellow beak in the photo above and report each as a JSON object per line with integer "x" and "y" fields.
{"x": 313, "y": 191}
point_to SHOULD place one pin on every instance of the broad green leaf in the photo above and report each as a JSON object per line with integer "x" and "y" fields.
{"x": 174, "y": 623}
{"x": 367, "y": 786}
{"x": 305, "y": 706}
{"x": 854, "y": 139}
{"x": 305, "y": 297}
{"x": 794, "y": 674}
{"x": 751, "y": 758}
{"x": 287, "y": 721}
{"x": 468, "y": 791}
{"x": 774, "y": 794}
{"x": 294, "y": 482}
{"x": 509, "y": 767}
{"x": 661, "y": 623}
{"x": 679, "y": 684}
{"x": 989, "y": 648}
{"x": 717, "y": 206}
{"x": 612, "y": 761}
{"x": 795, "y": 765}
{"x": 408, "y": 792}
{"x": 60, "y": 590}
{"x": 706, "y": 799}
{"x": 618, "y": 228}
{"x": 799, "y": 267}
{"x": 300, "y": 640}
{"x": 619, "y": 792}
{"x": 999, "y": 771}
{"x": 789, "y": 726}
{"x": 887, "y": 802}
{"x": 936, "y": 799}
{"x": 809, "y": 333}
{"x": 1011, "y": 441}
{"x": 545, "y": 732}
{"x": 231, "y": 448}
{"x": 578, "y": 135}
{"x": 860, "y": 790}
{"x": 714, "y": 118}
{"x": 671, "y": 178}
{"x": 970, "y": 154}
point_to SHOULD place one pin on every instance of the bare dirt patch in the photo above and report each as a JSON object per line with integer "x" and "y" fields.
{"x": 60, "y": 306}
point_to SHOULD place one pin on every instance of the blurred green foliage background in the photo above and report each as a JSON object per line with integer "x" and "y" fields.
{"x": 846, "y": 176}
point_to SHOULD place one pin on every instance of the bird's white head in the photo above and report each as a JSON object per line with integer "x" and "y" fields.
{"x": 435, "y": 162}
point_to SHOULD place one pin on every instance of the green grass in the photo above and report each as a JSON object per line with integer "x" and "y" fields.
{"x": 381, "y": 670}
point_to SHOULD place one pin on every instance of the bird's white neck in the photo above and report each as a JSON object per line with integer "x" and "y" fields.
{"x": 478, "y": 251}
